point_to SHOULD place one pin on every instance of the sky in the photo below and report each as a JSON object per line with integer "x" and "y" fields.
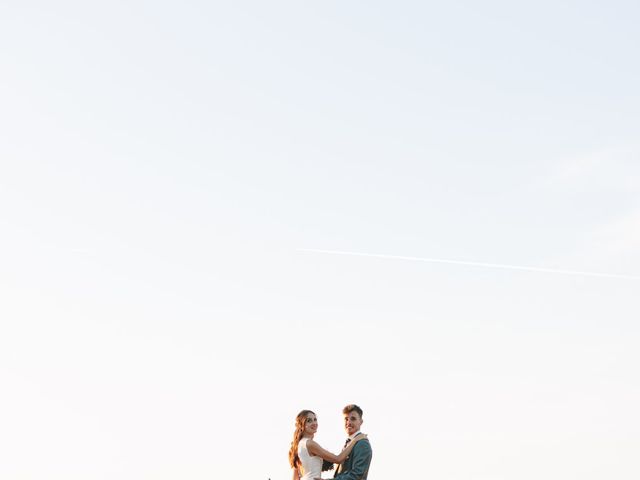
{"x": 171, "y": 171}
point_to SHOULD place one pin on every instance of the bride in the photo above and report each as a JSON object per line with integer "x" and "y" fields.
{"x": 306, "y": 456}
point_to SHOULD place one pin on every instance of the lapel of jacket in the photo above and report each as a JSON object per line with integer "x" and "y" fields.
{"x": 346, "y": 465}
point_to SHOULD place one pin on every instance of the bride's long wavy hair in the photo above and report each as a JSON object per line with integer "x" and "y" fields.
{"x": 301, "y": 420}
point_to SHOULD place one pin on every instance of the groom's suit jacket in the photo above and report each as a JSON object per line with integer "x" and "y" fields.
{"x": 356, "y": 466}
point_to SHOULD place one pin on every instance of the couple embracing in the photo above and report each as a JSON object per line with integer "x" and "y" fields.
{"x": 308, "y": 459}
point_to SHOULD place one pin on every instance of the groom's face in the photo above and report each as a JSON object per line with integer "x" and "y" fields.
{"x": 352, "y": 422}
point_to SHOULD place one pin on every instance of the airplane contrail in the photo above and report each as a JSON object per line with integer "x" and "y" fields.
{"x": 473, "y": 264}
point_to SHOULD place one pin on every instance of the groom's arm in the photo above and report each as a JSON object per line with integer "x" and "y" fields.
{"x": 361, "y": 458}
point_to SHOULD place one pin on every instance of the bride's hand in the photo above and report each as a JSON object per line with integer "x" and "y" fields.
{"x": 362, "y": 436}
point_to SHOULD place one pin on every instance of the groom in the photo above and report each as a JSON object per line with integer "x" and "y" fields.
{"x": 356, "y": 466}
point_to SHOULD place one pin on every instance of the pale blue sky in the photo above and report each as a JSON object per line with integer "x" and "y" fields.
{"x": 162, "y": 163}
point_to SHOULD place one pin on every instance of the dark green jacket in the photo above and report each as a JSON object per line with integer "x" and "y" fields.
{"x": 356, "y": 466}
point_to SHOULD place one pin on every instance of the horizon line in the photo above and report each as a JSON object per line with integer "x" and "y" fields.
{"x": 473, "y": 264}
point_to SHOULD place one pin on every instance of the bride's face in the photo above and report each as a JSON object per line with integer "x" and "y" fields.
{"x": 311, "y": 424}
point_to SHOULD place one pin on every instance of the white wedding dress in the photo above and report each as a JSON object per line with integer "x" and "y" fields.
{"x": 311, "y": 466}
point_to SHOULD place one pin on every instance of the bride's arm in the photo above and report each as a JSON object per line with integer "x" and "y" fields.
{"x": 317, "y": 450}
{"x": 296, "y": 474}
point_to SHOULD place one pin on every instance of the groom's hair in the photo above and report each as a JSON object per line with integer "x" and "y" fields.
{"x": 351, "y": 408}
